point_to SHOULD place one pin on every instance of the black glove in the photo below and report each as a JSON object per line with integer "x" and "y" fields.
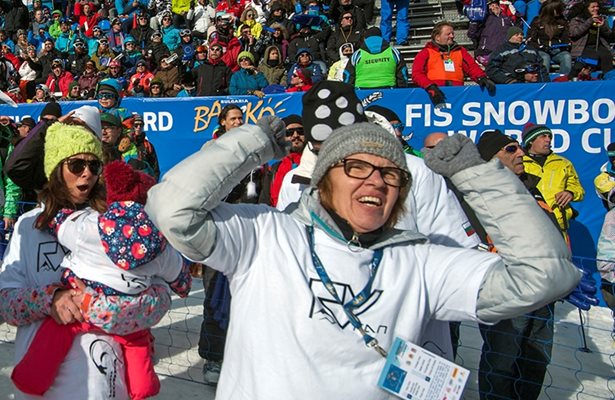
{"x": 435, "y": 94}
{"x": 487, "y": 83}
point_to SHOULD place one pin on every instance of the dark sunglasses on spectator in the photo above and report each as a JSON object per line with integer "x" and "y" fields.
{"x": 244, "y": 59}
{"x": 511, "y": 148}
{"x": 398, "y": 126}
{"x": 105, "y": 96}
{"x": 166, "y": 19}
{"x": 138, "y": 124}
{"x": 77, "y": 165}
{"x": 155, "y": 86}
{"x": 292, "y": 131}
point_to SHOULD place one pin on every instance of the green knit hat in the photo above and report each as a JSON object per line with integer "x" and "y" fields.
{"x": 246, "y": 54}
{"x": 63, "y": 141}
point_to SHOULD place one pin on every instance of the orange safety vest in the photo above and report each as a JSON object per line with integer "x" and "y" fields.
{"x": 435, "y": 66}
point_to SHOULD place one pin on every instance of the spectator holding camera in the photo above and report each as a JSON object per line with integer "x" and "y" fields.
{"x": 46, "y": 56}
{"x": 168, "y": 74}
{"x": 513, "y": 55}
{"x": 156, "y": 50}
{"x": 591, "y": 34}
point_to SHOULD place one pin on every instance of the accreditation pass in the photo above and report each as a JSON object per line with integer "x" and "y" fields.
{"x": 411, "y": 372}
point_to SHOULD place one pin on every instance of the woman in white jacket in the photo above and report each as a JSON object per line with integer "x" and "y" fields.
{"x": 293, "y": 276}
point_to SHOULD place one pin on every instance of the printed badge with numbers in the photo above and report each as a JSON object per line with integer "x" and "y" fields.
{"x": 411, "y": 372}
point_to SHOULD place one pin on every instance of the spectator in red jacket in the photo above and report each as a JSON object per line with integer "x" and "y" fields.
{"x": 59, "y": 79}
{"x": 442, "y": 62}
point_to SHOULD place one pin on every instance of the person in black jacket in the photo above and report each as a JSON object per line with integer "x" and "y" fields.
{"x": 347, "y": 31}
{"x": 510, "y": 56}
{"x": 47, "y": 55}
{"x": 213, "y": 76}
{"x": 16, "y": 16}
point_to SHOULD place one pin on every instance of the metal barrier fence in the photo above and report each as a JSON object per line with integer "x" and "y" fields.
{"x": 582, "y": 364}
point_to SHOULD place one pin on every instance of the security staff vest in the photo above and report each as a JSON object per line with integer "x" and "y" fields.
{"x": 376, "y": 70}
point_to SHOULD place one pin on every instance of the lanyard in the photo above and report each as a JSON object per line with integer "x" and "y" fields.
{"x": 358, "y": 300}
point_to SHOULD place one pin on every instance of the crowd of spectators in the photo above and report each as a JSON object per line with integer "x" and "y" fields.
{"x": 163, "y": 48}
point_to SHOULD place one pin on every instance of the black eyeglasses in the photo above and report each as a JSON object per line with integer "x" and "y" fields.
{"x": 511, "y": 148}
{"x": 360, "y": 169}
{"x": 292, "y": 131}
{"x": 77, "y": 165}
{"x": 244, "y": 59}
{"x": 138, "y": 124}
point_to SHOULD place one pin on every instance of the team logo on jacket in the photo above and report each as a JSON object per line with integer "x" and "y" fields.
{"x": 50, "y": 256}
{"x": 325, "y": 306}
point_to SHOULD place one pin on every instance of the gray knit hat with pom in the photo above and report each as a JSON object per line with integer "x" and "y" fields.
{"x": 363, "y": 137}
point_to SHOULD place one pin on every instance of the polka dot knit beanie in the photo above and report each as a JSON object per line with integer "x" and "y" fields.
{"x": 329, "y": 105}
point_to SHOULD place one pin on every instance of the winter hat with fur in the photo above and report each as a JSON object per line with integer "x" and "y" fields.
{"x": 63, "y": 141}
{"x": 363, "y": 137}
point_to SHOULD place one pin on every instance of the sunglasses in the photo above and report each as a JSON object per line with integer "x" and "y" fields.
{"x": 244, "y": 59}
{"x": 215, "y": 49}
{"x": 398, "y": 126}
{"x": 105, "y": 96}
{"x": 292, "y": 131}
{"x": 77, "y": 165}
{"x": 138, "y": 124}
{"x": 166, "y": 19}
{"x": 155, "y": 87}
{"x": 511, "y": 148}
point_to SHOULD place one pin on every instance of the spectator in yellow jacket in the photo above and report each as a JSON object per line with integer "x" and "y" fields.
{"x": 559, "y": 183}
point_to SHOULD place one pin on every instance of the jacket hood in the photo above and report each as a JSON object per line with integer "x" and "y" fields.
{"x": 374, "y": 44}
{"x": 266, "y": 56}
{"x": 310, "y": 212}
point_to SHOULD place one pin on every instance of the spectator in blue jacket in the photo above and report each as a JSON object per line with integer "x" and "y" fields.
{"x": 304, "y": 59}
{"x": 248, "y": 80}
{"x": 170, "y": 34}
{"x": 66, "y": 40}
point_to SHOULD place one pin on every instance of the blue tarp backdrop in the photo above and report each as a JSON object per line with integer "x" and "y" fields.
{"x": 581, "y": 115}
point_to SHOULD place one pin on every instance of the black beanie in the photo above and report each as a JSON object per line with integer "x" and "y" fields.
{"x": 329, "y": 105}
{"x": 52, "y": 108}
{"x": 292, "y": 119}
{"x": 491, "y": 142}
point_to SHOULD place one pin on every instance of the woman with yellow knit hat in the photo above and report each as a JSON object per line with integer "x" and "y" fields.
{"x": 30, "y": 273}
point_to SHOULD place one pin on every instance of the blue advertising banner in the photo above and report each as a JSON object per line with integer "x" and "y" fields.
{"x": 580, "y": 114}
